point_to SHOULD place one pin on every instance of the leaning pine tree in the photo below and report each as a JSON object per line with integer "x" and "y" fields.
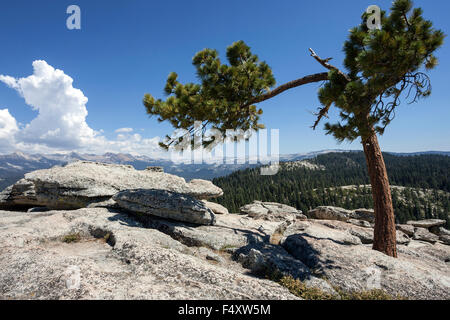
{"x": 381, "y": 66}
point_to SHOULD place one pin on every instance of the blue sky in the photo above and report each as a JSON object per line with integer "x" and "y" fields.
{"x": 127, "y": 48}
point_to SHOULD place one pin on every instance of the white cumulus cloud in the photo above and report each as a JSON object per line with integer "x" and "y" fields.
{"x": 61, "y": 121}
{"x": 8, "y": 130}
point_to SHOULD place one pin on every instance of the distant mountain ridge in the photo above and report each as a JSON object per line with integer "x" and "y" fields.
{"x": 14, "y": 166}
{"x": 442, "y": 153}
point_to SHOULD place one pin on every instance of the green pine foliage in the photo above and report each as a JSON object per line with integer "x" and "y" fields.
{"x": 223, "y": 99}
{"x": 382, "y": 65}
{"x": 424, "y": 182}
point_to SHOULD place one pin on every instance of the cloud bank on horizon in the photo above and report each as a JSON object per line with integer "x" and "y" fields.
{"x": 61, "y": 121}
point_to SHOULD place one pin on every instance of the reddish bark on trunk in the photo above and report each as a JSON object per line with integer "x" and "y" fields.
{"x": 384, "y": 232}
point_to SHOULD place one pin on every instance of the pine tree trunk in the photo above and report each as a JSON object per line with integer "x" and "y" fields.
{"x": 384, "y": 233}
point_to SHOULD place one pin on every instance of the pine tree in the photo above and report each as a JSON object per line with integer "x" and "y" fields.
{"x": 380, "y": 66}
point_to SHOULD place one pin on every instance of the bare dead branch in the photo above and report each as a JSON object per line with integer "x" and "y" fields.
{"x": 324, "y": 62}
{"x": 323, "y": 112}
{"x": 406, "y": 20}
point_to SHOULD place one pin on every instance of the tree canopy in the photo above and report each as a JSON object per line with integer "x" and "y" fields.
{"x": 382, "y": 65}
{"x": 224, "y": 97}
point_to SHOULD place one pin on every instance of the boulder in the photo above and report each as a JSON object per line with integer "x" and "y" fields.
{"x": 82, "y": 183}
{"x": 278, "y": 234}
{"x": 340, "y": 214}
{"x": 21, "y": 195}
{"x": 337, "y": 228}
{"x": 445, "y": 239}
{"x": 329, "y": 213}
{"x": 203, "y": 189}
{"x": 365, "y": 235}
{"x": 443, "y": 231}
{"x": 420, "y": 272}
{"x": 402, "y": 238}
{"x": 334, "y": 231}
{"x": 425, "y": 235}
{"x": 266, "y": 260}
{"x": 406, "y": 228}
{"x": 229, "y": 233}
{"x": 272, "y": 211}
{"x": 426, "y": 223}
{"x": 215, "y": 207}
{"x": 165, "y": 204}
{"x": 123, "y": 256}
{"x": 435, "y": 230}
{"x": 444, "y": 234}
{"x": 360, "y": 223}
{"x": 364, "y": 214}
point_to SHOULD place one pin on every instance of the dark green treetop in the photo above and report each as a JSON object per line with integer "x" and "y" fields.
{"x": 382, "y": 65}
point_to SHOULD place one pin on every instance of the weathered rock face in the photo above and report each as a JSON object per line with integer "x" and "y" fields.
{"x": 401, "y": 237}
{"x": 173, "y": 246}
{"x": 443, "y": 231}
{"x": 121, "y": 256}
{"x": 406, "y": 228}
{"x": 81, "y": 183}
{"x": 420, "y": 272}
{"x": 155, "y": 169}
{"x": 365, "y": 234}
{"x": 329, "y": 213}
{"x": 272, "y": 211}
{"x": 425, "y": 235}
{"x": 22, "y": 192}
{"x": 229, "y": 233}
{"x": 165, "y": 204}
{"x": 115, "y": 258}
{"x": 364, "y": 214}
{"x": 444, "y": 235}
{"x": 336, "y": 213}
{"x": 445, "y": 239}
{"x": 426, "y": 223}
{"x": 426, "y": 230}
{"x": 215, "y": 207}
{"x": 361, "y": 223}
{"x": 203, "y": 189}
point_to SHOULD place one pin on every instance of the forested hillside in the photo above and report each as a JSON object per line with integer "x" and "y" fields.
{"x": 421, "y": 187}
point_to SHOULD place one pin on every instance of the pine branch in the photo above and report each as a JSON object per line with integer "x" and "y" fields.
{"x": 324, "y": 62}
{"x": 317, "y": 77}
{"x": 406, "y": 20}
{"x": 323, "y": 112}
